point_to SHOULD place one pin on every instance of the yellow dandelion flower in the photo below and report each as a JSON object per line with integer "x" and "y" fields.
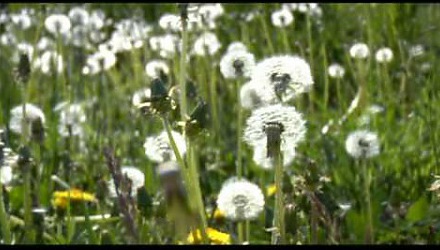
{"x": 60, "y": 198}
{"x": 218, "y": 214}
{"x": 215, "y": 237}
{"x": 270, "y": 190}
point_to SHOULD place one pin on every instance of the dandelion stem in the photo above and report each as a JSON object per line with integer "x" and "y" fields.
{"x": 240, "y": 225}
{"x": 239, "y": 128}
{"x": 191, "y": 177}
{"x": 240, "y": 230}
{"x": 279, "y": 235}
{"x": 314, "y": 223}
{"x": 194, "y": 174}
{"x": 182, "y": 72}
{"x": 369, "y": 229}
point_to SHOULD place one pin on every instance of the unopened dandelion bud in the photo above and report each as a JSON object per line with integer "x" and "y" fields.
{"x": 198, "y": 120}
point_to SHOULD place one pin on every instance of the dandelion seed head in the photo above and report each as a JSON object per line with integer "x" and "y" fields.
{"x": 136, "y": 177}
{"x": 33, "y": 114}
{"x": 384, "y": 55}
{"x": 22, "y": 20}
{"x": 267, "y": 163}
{"x": 240, "y": 199}
{"x": 72, "y": 116}
{"x": 416, "y": 50}
{"x": 209, "y": 12}
{"x": 8, "y": 39}
{"x": 250, "y": 96}
{"x": 159, "y": 149}
{"x": 237, "y": 63}
{"x": 362, "y": 144}
{"x": 282, "y": 18}
{"x": 5, "y": 175}
{"x": 294, "y": 128}
{"x": 155, "y": 67}
{"x": 24, "y": 48}
{"x": 101, "y": 61}
{"x": 79, "y": 16}
{"x": 170, "y": 22}
{"x": 289, "y": 6}
{"x": 285, "y": 76}
{"x": 141, "y": 96}
{"x": 57, "y": 24}
{"x": 206, "y": 43}
{"x": 335, "y": 70}
{"x": 45, "y": 43}
{"x": 48, "y": 60}
{"x": 236, "y": 46}
{"x": 359, "y": 51}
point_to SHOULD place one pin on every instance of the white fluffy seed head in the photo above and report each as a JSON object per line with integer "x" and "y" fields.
{"x": 362, "y": 144}
{"x": 169, "y": 22}
{"x": 335, "y": 70}
{"x": 72, "y": 118}
{"x": 285, "y": 76}
{"x": 359, "y": 51}
{"x": 250, "y": 96}
{"x": 267, "y": 163}
{"x": 240, "y": 199}
{"x": 159, "y": 149}
{"x": 154, "y": 67}
{"x": 206, "y": 43}
{"x": 236, "y": 46}
{"x": 57, "y": 24}
{"x": 140, "y": 96}
{"x": 237, "y": 63}
{"x": 33, "y": 113}
{"x": 384, "y": 55}
{"x": 5, "y": 175}
{"x": 100, "y": 61}
{"x": 293, "y": 126}
{"x": 282, "y": 17}
{"x": 136, "y": 177}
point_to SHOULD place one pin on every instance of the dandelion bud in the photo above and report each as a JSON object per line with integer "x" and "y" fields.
{"x": 159, "y": 103}
{"x": 198, "y": 120}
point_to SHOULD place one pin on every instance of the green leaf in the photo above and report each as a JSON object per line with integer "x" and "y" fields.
{"x": 418, "y": 210}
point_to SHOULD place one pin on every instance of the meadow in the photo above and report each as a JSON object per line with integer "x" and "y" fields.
{"x": 226, "y": 123}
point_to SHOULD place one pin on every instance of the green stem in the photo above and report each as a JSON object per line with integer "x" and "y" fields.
{"x": 240, "y": 225}
{"x": 266, "y": 33}
{"x": 314, "y": 223}
{"x": 369, "y": 237}
{"x": 4, "y": 221}
{"x": 285, "y": 41}
{"x": 194, "y": 174}
{"x": 279, "y": 235}
{"x": 190, "y": 176}
{"x": 214, "y": 104}
{"x": 239, "y": 128}
{"x": 240, "y": 230}
{"x": 182, "y": 73}
{"x": 310, "y": 44}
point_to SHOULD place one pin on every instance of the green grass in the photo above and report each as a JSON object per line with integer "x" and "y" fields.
{"x": 400, "y": 176}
